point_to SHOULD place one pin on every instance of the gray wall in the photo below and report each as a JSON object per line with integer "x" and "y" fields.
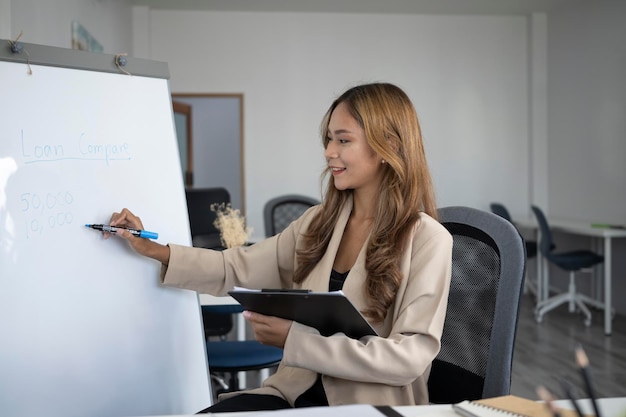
{"x": 587, "y": 123}
{"x": 587, "y": 111}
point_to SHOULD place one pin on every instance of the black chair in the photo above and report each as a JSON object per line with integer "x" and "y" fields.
{"x": 280, "y": 211}
{"x": 488, "y": 261}
{"x": 229, "y": 357}
{"x": 226, "y": 358}
{"x": 204, "y": 234}
{"x": 531, "y": 245}
{"x": 572, "y": 262}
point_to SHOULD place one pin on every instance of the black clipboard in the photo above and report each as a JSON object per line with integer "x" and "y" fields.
{"x": 328, "y": 312}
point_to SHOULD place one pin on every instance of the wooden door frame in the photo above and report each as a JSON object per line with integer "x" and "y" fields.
{"x": 186, "y": 110}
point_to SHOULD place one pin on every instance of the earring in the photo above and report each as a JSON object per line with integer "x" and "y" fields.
{"x": 383, "y": 162}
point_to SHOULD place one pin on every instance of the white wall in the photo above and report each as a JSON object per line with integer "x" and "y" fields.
{"x": 514, "y": 109}
{"x": 587, "y": 122}
{"x": 467, "y": 76}
{"x": 587, "y": 111}
{"x": 507, "y": 115}
{"x": 50, "y": 23}
{"x": 5, "y": 20}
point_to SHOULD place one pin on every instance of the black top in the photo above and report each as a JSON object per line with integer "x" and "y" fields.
{"x": 336, "y": 280}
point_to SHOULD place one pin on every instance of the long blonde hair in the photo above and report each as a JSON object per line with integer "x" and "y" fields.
{"x": 392, "y": 130}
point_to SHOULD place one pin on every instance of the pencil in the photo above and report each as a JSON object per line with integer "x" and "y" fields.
{"x": 583, "y": 364}
{"x": 548, "y": 399}
{"x": 568, "y": 392}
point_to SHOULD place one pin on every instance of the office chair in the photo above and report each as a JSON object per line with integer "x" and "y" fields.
{"x": 280, "y": 211}
{"x": 488, "y": 261}
{"x": 232, "y": 356}
{"x": 572, "y": 262}
{"x": 531, "y": 247}
{"x": 199, "y": 200}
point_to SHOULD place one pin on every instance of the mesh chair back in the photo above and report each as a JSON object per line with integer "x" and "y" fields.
{"x": 279, "y": 212}
{"x": 488, "y": 261}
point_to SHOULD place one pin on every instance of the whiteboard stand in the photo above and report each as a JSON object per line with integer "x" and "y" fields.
{"x": 87, "y": 328}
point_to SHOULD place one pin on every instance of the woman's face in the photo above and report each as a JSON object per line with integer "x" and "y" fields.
{"x": 353, "y": 163}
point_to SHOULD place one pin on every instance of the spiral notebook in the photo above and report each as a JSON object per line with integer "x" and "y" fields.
{"x": 506, "y": 406}
{"x": 474, "y": 409}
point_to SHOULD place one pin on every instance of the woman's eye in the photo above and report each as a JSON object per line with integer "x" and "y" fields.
{"x": 338, "y": 140}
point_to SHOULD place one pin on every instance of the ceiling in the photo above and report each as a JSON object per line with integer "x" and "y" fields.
{"x": 483, "y": 7}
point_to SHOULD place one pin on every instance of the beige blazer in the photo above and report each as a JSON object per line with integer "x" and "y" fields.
{"x": 390, "y": 369}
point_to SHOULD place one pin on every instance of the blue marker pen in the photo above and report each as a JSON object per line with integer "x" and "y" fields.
{"x": 113, "y": 229}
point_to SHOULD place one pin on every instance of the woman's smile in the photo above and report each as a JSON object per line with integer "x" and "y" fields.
{"x": 336, "y": 170}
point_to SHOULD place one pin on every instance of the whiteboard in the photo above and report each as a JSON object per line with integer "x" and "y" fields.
{"x": 86, "y": 329}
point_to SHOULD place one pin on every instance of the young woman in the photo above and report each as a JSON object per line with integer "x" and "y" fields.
{"x": 375, "y": 236}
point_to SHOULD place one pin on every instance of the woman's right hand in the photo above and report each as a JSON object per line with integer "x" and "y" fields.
{"x": 145, "y": 247}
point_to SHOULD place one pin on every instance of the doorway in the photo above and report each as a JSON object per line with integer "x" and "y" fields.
{"x": 214, "y": 145}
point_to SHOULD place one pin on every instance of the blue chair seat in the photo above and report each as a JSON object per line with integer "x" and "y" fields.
{"x": 233, "y": 356}
{"x": 248, "y": 355}
{"x": 575, "y": 260}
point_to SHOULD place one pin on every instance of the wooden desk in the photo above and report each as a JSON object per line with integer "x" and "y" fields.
{"x": 584, "y": 229}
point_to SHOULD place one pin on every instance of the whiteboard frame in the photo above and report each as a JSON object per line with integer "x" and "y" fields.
{"x": 91, "y": 61}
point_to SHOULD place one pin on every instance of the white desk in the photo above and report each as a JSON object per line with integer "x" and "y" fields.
{"x": 584, "y": 229}
{"x": 610, "y": 407}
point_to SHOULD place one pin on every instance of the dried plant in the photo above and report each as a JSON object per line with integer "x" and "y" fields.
{"x": 231, "y": 224}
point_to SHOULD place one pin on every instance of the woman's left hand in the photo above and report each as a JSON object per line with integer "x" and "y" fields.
{"x": 268, "y": 330}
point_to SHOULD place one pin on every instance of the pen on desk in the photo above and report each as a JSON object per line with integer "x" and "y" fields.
{"x": 583, "y": 364}
{"x": 568, "y": 392}
{"x": 548, "y": 399}
{"x": 113, "y": 229}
